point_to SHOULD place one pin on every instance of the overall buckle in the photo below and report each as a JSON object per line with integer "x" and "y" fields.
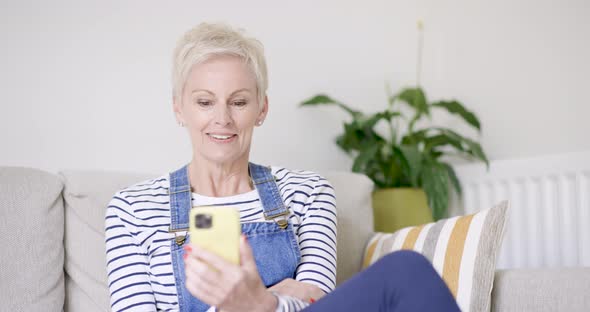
{"x": 280, "y": 219}
{"x": 179, "y": 237}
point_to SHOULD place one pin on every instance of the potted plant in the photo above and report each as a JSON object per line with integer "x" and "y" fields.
{"x": 409, "y": 164}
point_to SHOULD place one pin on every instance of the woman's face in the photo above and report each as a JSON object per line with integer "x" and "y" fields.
{"x": 220, "y": 108}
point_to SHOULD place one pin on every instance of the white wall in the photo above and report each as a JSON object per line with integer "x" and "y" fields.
{"x": 86, "y": 85}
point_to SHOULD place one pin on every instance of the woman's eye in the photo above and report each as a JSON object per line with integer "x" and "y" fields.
{"x": 204, "y": 103}
{"x": 240, "y": 103}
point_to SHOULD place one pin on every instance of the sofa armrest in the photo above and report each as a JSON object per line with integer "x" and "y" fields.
{"x": 560, "y": 289}
{"x": 32, "y": 231}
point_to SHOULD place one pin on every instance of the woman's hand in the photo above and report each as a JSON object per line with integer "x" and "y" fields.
{"x": 225, "y": 285}
{"x": 300, "y": 290}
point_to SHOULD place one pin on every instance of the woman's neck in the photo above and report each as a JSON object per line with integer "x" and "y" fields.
{"x": 219, "y": 180}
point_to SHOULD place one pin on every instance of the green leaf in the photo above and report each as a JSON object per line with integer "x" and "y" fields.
{"x": 394, "y": 174}
{"x": 477, "y": 151}
{"x": 374, "y": 119}
{"x": 378, "y": 171}
{"x": 322, "y": 99}
{"x": 319, "y": 99}
{"x": 364, "y": 157}
{"x": 416, "y": 99}
{"x": 464, "y": 144}
{"x": 435, "y": 183}
{"x": 440, "y": 140}
{"x": 453, "y": 177}
{"x": 415, "y": 137}
{"x": 350, "y": 140}
{"x": 457, "y": 108}
{"x": 411, "y": 160}
{"x": 436, "y": 154}
{"x": 342, "y": 142}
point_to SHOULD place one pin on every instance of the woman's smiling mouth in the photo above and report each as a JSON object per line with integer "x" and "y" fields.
{"x": 218, "y": 137}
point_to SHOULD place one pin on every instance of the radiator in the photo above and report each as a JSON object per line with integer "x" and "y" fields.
{"x": 549, "y": 216}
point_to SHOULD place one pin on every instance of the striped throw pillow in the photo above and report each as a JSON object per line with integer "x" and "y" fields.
{"x": 463, "y": 250}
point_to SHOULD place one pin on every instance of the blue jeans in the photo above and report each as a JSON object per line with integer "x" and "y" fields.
{"x": 400, "y": 281}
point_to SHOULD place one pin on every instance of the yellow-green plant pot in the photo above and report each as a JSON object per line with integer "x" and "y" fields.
{"x": 396, "y": 208}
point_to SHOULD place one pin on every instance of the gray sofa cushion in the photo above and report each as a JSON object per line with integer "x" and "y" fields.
{"x": 564, "y": 289}
{"x": 86, "y": 195}
{"x": 32, "y": 229}
{"x": 355, "y": 220}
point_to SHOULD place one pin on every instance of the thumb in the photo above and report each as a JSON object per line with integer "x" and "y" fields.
{"x": 246, "y": 255}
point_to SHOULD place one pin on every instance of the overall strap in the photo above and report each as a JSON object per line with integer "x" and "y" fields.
{"x": 270, "y": 197}
{"x": 180, "y": 202}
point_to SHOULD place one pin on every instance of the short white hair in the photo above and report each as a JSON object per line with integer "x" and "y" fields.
{"x": 207, "y": 40}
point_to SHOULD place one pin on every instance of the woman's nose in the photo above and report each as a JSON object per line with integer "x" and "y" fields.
{"x": 222, "y": 115}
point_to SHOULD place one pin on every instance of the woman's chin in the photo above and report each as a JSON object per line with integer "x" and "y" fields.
{"x": 224, "y": 157}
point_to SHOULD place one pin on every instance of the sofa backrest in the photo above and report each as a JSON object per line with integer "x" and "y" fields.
{"x": 87, "y": 194}
{"x": 355, "y": 220}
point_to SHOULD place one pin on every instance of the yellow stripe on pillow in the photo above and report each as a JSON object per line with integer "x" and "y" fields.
{"x": 455, "y": 253}
{"x": 371, "y": 250}
{"x": 412, "y": 237}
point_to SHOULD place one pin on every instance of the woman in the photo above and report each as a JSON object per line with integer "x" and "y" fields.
{"x": 288, "y": 249}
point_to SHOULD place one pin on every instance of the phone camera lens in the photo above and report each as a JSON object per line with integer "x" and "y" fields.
{"x": 203, "y": 221}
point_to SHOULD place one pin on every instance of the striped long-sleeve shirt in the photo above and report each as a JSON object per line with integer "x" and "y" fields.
{"x": 137, "y": 221}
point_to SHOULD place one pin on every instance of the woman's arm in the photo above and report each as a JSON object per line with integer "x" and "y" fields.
{"x": 127, "y": 262}
{"x": 317, "y": 239}
{"x": 301, "y": 290}
{"x": 316, "y": 273}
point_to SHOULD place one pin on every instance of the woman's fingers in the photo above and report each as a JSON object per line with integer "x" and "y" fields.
{"x": 202, "y": 290}
{"x": 246, "y": 254}
{"x": 219, "y": 282}
{"x": 215, "y": 261}
{"x": 202, "y": 281}
{"x": 209, "y": 268}
{"x": 196, "y": 268}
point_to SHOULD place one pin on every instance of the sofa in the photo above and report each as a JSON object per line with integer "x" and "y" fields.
{"x": 53, "y": 256}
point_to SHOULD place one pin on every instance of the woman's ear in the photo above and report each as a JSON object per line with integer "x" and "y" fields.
{"x": 263, "y": 112}
{"x": 176, "y": 105}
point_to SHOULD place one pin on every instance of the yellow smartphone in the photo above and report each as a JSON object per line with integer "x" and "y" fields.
{"x": 216, "y": 229}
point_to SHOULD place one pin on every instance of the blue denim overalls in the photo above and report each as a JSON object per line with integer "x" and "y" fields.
{"x": 274, "y": 244}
